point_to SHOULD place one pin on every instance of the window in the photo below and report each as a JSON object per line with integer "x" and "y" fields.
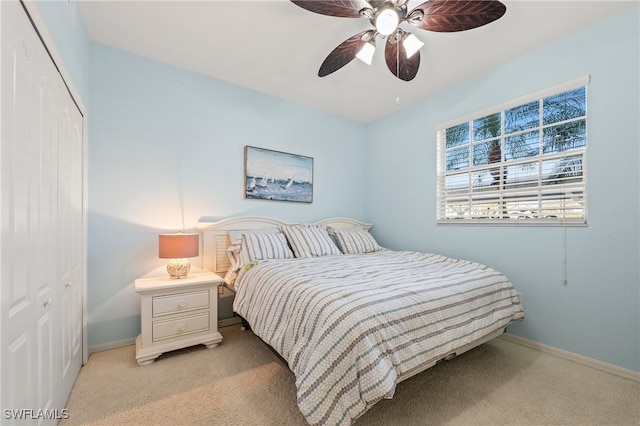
{"x": 522, "y": 162}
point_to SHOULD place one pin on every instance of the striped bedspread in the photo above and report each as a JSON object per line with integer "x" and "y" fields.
{"x": 352, "y": 326}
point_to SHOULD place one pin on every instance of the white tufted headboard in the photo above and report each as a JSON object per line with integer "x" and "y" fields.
{"x": 215, "y": 239}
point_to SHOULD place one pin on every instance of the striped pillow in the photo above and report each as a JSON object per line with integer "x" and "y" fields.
{"x": 355, "y": 241}
{"x": 310, "y": 241}
{"x": 235, "y": 236}
{"x": 264, "y": 247}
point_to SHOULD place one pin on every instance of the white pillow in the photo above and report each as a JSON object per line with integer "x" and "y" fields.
{"x": 235, "y": 263}
{"x": 354, "y": 240}
{"x": 310, "y": 240}
{"x": 230, "y": 276}
{"x": 264, "y": 247}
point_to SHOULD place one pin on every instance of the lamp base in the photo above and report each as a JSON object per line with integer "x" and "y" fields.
{"x": 178, "y": 268}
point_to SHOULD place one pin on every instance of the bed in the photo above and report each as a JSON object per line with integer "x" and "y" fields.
{"x": 353, "y": 319}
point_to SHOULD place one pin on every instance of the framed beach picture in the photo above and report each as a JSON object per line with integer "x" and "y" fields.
{"x": 275, "y": 175}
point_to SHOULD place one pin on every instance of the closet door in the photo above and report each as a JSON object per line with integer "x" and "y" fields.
{"x": 41, "y": 253}
{"x": 46, "y": 90}
{"x": 70, "y": 239}
{"x": 21, "y": 276}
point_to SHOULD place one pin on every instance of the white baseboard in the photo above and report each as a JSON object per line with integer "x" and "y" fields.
{"x": 589, "y": 362}
{"x": 111, "y": 345}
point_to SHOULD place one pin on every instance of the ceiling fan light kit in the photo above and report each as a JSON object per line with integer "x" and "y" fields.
{"x": 386, "y": 20}
{"x": 412, "y": 44}
{"x": 402, "y": 47}
{"x": 366, "y": 53}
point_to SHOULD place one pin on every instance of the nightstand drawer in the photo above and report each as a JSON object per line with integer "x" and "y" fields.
{"x": 183, "y": 302}
{"x": 180, "y": 327}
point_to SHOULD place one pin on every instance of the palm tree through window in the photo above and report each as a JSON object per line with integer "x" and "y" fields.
{"x": 522, "y": 163}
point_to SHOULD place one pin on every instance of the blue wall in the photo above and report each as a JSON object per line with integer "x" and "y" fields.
{"x": 165, "y": 149}
{"x": 597, "y": 313}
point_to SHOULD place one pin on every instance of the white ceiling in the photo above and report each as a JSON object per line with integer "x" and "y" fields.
{"x": 276, "y": 47}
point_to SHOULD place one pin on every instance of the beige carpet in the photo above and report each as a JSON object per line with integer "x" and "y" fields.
{"x": 242, "y": 382}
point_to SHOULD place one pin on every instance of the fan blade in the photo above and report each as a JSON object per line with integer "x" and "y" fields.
{"x": 344, "y": 53}
{"x": 343, "y": 9}
{"x": 396, "y": 57}
{"x": 449, "y": 16}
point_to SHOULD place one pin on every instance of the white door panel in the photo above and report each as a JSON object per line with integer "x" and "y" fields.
{"x": 18, "y": 52}
{"x": 19, "y": 356}
{"x": 70, "y": 236}
{"x": 43, "y": 228}
{"x": 45, "y": 376}
{"x": 41, "y": 218}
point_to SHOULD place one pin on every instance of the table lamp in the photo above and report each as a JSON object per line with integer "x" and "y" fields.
{"x": 178, "y": 247}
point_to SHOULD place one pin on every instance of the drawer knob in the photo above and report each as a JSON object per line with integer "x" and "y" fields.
{"x": 182, "y": 328}
{"x": 182, "y": 304}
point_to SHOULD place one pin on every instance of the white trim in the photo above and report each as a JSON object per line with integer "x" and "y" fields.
{"x": 112, "y": 345}
{"x": 558, "y": 88}
{"x": 570, "y": 356}
{"x": 47, "y": 39}
{"x": 39, "y": 22}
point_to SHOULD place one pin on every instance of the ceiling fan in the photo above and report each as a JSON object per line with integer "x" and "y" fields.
{"x": 402, "y": 51}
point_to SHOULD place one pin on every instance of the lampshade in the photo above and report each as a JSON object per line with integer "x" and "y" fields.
{"x": 411, "y": 45}
{"x": 178, "y": 247}
{"x": 366, "y": 53}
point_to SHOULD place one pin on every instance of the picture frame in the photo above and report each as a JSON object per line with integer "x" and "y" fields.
{"x": 278, "y": 176}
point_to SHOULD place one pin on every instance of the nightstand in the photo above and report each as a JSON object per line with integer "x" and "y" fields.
{"x": 176, "y": 313}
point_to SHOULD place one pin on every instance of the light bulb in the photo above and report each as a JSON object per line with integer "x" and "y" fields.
{"x": 387, "y": 21}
